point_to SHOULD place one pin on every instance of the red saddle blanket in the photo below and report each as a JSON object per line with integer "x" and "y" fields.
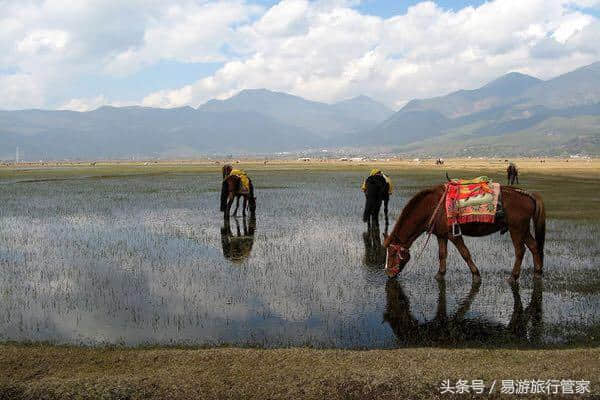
{"x": 472, "y": 200}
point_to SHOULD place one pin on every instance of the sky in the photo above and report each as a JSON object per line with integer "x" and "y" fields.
{"x": 59, "y": 54}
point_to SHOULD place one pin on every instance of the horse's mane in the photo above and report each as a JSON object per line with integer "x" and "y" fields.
{"x": 408, "y": 209}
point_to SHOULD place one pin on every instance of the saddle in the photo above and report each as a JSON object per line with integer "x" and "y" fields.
{"x": 243, "y": 178}
{"x": 473, "y": 200}
{"x": 376, "y": 171}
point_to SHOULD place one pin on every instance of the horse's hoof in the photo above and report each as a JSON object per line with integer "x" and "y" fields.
{"x": 440, "y": 276}
{"x": 476, "y": 279}
{"x": 512, "y": 279}
{"x": 537, "y": 275}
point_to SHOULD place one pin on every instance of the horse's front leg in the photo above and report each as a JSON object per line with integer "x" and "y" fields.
{"x": 443, "y": 253}
{"x": 237, "y": 205}
{"x": 229, "y": 203}
{"x": 466, "y": 255}
{"x": 244, "y": 205}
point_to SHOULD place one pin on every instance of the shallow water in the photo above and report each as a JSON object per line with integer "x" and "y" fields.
{"x": 149, "y": 260}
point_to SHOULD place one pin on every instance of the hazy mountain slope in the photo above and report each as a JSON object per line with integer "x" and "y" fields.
{"x": 363, "y": 108}
{"x": 501, "y": 91}
{"x": 578, "y": 87}
{"x": 321, "y": 119}
{"x": 513, "y": 103}
{"x": 121, "y": 132}
{"x": 552, "y": 136}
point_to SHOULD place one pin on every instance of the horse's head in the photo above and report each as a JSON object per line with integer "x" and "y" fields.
{"x": 227, "y": 170}
{"x": 397, "y": 258}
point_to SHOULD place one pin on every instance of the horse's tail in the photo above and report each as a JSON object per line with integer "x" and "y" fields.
{"x": 224, "y": 193}
{"x": 539, "y": 221}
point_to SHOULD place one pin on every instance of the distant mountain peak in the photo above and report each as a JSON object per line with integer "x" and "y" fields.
{"x": 513, "y": 79}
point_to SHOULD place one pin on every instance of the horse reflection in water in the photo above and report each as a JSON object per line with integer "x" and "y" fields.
{"x": 375, "y": 253}
{"x": 237, "y": 247}
{"x": 525, "y": 325}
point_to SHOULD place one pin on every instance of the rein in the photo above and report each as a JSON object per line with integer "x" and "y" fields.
{"x": 431, "y": 223}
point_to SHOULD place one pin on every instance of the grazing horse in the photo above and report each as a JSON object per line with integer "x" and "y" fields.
{"x": 232, "y": 188}
{"x": 512, "y": 174}
{"x": 423, "y": 213}
{"x": 377, "y": 190}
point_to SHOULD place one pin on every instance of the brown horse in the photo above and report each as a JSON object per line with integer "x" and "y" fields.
{"x": 512, "y": 174}
{"x": 520, "y": 207}
{"x": 232, "y": 189}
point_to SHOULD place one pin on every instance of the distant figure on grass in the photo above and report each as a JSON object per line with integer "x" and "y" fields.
{"x": 512, "y": 174}
{"x": 377, "y": 188}
{"x": 461, "y": 207}
{"x": 236, "y": 184}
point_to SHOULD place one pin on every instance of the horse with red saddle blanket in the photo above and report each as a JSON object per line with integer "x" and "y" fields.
{"x": 469, "y": 208}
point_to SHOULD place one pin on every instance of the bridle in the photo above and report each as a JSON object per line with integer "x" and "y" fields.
{"x": 400, "y": 252}
{"x": 398, "y": 249}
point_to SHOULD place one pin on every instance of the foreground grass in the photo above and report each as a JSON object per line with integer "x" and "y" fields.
{"x": 56, "y": 372}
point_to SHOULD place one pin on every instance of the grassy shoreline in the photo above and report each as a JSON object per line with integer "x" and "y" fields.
{"x": 43, "y": 371}
{"x": 569, "y": 188}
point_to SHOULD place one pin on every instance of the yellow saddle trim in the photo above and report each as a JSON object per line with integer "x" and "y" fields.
{"x": 376, "y": 171}
{"x": 243, "y": 177}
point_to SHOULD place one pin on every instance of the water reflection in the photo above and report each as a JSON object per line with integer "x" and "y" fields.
{"x": 237, "y": 247}
{"x": 525, "y": 324}
{"x": 374, "y": 251}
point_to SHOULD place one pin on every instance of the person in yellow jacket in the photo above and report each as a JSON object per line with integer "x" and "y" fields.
{"x": 377, "y": 188}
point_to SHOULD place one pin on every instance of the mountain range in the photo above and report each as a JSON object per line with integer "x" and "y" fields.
{"x": 515, "y": 114}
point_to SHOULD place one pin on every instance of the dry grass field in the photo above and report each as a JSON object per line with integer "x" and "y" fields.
{"x": 32, "y": 372}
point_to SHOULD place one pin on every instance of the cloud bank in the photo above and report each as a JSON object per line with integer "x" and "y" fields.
{"x": 323, "y": 50}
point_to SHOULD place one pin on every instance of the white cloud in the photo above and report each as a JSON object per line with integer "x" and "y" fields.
{"x": 323, "y": 50}
{"x": 85, "y": 104}
{"x": 19, "y": 91}
{"x": 327, "y": 52}
{"x": 43, "y": 40}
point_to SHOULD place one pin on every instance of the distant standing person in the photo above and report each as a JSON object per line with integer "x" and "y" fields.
{"x": 512, "y": 174}
{"x": 377, "y": 188}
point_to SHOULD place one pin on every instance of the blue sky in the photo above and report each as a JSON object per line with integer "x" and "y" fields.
{"x": 184, "y": 52}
